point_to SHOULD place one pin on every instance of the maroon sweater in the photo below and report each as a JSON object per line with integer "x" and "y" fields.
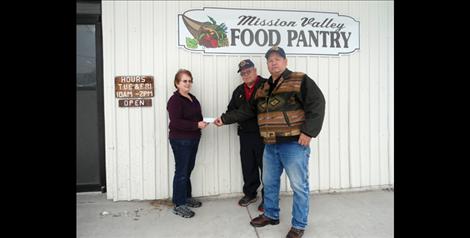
{"x": 184, "y": 117}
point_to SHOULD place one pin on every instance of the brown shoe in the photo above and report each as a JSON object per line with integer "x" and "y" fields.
{"x": 263, "y": 220}
{"x": 295, "y": 233}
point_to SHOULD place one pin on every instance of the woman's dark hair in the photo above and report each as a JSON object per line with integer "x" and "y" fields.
{"x": 179, "y": 74}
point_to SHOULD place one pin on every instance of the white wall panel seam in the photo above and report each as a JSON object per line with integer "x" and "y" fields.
{"x": 129, "y": 187}
{"x": 141, "y": 113}
{"x": 379, "y": 78}
{"x": 329, "y": 124}
{"x": 388, "y": 95}
{"x": 115, "y": 112}
{"x": 155, "y": 142}
{"x": 369, "y": 106}
{"x": 359, "y": 113}
{"x": 319, "y": 156}
{"x": 377, "y": 123}
{"x": 167, "y": 97}
{"x": 339, "y": 123}
{"x": 349, "y": 110}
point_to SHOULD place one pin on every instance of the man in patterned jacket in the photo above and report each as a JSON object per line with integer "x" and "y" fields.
{"x": 290, "y": 108}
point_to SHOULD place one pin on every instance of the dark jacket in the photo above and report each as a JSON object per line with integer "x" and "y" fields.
{"x": 184, "y": 117}
{"x": 250, "y": 125}
{"x": 309, "y": 98}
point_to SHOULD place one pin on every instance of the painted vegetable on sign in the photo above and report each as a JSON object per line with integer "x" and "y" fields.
{"x": 207, "y": 34}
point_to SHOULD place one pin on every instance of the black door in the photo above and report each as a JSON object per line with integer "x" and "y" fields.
{"x": 90, "y": 125}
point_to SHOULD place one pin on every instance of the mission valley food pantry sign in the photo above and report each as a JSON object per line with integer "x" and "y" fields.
{"x": 252, "y": 31}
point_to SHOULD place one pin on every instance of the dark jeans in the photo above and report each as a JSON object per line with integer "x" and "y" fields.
{"x": 251, "y": 154}
{"x": 184, "y": 151}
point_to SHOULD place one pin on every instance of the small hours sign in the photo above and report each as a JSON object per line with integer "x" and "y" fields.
{"x": 134, "y": 89}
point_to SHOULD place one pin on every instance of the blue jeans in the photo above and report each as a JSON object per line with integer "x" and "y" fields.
{"x": 184, "y": 151}
{"x": 292, "y": 157}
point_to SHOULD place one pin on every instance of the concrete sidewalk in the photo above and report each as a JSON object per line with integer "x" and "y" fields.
{"x": 345, "y": 214}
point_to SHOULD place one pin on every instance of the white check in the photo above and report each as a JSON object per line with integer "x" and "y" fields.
{"x": 209, "y": 119}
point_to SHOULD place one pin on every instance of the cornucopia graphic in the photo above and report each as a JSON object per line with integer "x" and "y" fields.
{"x": 207, "y": 34}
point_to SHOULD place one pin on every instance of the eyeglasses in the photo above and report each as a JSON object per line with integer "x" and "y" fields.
{"x": 186, "y": 81}
{"x": 246, "y": 72}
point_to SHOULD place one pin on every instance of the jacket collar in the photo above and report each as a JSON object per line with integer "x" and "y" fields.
{"x": 284, "y": 75}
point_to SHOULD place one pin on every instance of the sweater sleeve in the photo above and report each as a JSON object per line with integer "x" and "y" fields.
{"x": 314, "y": 107}
{"x": 177, "y": 121}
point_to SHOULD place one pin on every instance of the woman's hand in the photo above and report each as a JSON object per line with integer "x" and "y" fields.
{"x": 202, "y": 124}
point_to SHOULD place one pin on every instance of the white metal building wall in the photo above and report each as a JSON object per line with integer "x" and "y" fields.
{"x": 354, "y": 149}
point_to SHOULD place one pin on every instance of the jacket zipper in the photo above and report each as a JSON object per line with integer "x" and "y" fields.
{"x": 287, "y": 118}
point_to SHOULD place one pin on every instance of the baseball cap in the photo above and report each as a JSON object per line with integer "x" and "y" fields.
{"x": 276, "y": 49}
{"x": 245, "y": 64}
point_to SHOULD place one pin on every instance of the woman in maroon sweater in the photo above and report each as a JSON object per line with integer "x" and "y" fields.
{"x": 185, "y": 132}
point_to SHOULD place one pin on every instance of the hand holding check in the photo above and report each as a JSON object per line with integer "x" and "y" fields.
{"x": 218, "y": 122}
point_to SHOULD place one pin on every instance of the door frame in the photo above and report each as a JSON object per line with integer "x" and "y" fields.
{"x": 88, "y": 19}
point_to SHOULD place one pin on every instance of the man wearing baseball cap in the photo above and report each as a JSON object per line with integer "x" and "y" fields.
{"x": 290, "y": 108}
{"x": 251, "y": 144}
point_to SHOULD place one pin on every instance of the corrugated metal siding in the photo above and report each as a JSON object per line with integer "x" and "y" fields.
{"x": 354, "y": 149}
